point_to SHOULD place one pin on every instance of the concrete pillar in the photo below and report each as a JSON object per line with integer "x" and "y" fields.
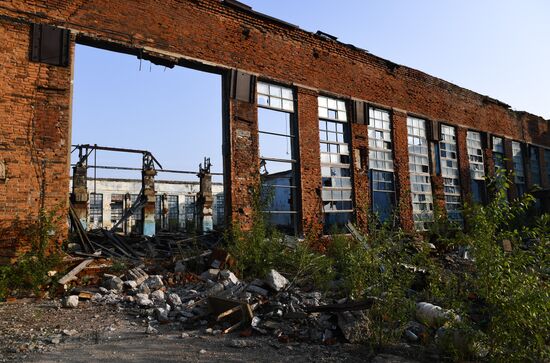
{"x": 148, "y": 212}
{"x": 204, "y": 200}
{"x": 79, "y": 195}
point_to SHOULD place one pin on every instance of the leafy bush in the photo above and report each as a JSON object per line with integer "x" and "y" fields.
{"x": 514, "y": 284}
{"x": 381, "y": 268}
{"x": 262, "y": 248}
{"x": 30, "y": 272}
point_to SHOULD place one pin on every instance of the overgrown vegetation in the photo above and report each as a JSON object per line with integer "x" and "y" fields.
{"x": 502, "y": 297}
{"x": 29, "y": 274}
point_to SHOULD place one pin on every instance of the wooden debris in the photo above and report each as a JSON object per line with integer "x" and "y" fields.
{"x": 72, "y": 274}
{"x": 351, "y": 306}
{"x": 236, "y": 312}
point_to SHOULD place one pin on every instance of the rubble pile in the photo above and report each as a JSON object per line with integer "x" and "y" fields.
{"x": 201, "y": 293}
{"x": 219, "y": 302}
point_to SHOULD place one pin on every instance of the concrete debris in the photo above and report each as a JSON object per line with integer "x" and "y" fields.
{"x": 70, "y": 333}
{"x": 180, "y": 267}
{"x": 143, "y": 300}
{"x": 150, "y": 330}
{"x": 154, "y": 282}
{"x": 210, "y": 274}
{"x": 275, "y": 280}
{"x": 71, "y": 301}
{"x": 174, "y": 300}
{"x": 158, "y": 296}
{"x": 433, "y": 315}
{"x": 112, "y": 282}
{"x": 130, "y": 285}
{"x": 354, "y": 325}
{"x": 230, "y": 276}
{"x": 242, "y": 343}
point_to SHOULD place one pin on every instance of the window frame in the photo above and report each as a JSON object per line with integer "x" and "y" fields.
{"x": 334, "y": 153}
{"x": 420, "y": 178}
{"x": 381, "y": 159}
{"x": 450, "y": 173}
{"x": 291, "y": 138}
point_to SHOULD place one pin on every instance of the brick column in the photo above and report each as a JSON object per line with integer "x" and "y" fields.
{"x": 244, "y": 162}
{"x": 463, "y": 164}
{"x": 309, "y": 162}
{"x": 401, "y": 164}
{"x": 361, "y": 189}
{"x": 509, "y": 164}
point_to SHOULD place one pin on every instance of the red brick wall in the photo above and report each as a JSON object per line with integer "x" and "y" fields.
{"x": 35, "y": 98}
{"x": 34, "y": 136}
{"x": 310, "y": 160}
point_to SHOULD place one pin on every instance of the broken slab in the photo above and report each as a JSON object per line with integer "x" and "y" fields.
{"x": 71, "y": 301}
{"x": 275, "y": 280}
{"x": 355, "y": 325}
{"x": 433, "y": 315}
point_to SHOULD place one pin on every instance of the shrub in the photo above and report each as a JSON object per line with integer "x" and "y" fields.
{"x": 29, "y": 274}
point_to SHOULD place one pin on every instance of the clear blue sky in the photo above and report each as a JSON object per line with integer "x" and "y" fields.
{"x": 500, "y": 48}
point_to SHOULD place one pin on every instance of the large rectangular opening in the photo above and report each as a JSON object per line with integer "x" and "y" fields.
{"x": 131, "y": 116}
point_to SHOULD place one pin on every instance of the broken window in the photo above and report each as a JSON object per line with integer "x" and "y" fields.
{"x": 535, "y": 165}
{"x": 276, "y": 128}
{"x": 419, "y": 167}
{"x": 519, "y": 174}
{"x": 477, "y": 169}
{"x": 135, "y": 222}
{"x": 189, "y": 207}
{"x": 218, "y": 209}
{"x": 450, "y": 173}
{"x": 381, "y": 164}
{"x": 117, "y": 209}
{"x": 498, "y": 152}
{"x": 96, "y": 210}
{"x": 335, "y": 163}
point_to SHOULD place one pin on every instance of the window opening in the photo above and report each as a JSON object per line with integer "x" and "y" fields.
{"x": 336, "y": 193}
{"x": 277, "y": 137}
{"x": 477, "y": 168}
{"x": 519, "y": 174}
{"x": 419, "y": 167}
{"x": 450, "y": 173}
{"x": 381, "y": 164}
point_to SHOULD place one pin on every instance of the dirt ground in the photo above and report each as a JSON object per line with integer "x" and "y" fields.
{"x": 42, "y": 331}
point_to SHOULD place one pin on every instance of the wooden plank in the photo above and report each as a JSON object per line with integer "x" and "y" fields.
{"x": 72, "y": 274}
{"x": 228, "y": 312}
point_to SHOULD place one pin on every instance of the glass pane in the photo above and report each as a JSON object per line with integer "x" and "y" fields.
{"x": 274, "y": 121}
{"x": 263, "y": 88}
{"x": 276, "y": 147}
{"x": 276, "y": 169}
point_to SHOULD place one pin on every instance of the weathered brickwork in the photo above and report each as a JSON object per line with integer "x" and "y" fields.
{"x": 35, "y": 99}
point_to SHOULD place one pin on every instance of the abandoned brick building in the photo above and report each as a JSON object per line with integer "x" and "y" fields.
{"x": 366, "y": 133}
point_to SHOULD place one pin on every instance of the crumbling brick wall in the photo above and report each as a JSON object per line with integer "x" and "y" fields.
{"x": 34, "y": 141}
{"x": 35, "y": 98}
